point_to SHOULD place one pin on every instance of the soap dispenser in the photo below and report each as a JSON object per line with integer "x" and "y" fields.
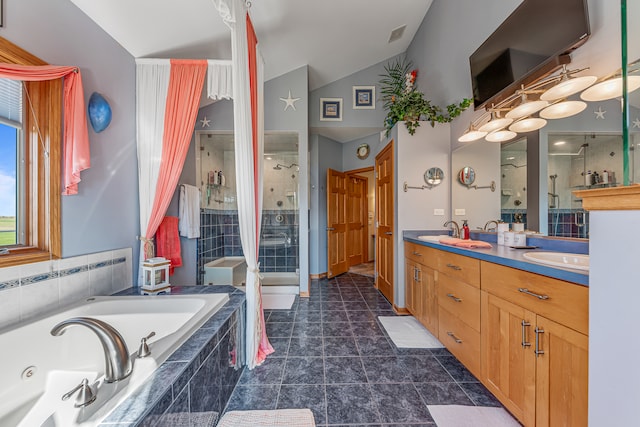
{"x": 465, "y": 230}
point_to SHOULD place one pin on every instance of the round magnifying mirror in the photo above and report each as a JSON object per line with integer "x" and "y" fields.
{"x": 467, "y": 175}
{"x": 433, "y": 176}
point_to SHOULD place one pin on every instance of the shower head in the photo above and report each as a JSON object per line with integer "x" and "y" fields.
{"x": 277, "y": 167}
{"x": 554, "y": 176}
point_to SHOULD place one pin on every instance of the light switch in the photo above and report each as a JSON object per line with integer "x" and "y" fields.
{"x": 438, "y": 212}
{"x": 460, "y": 211}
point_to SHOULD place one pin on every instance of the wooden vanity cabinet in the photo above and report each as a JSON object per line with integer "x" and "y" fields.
{"x": 535, "y": 345}
{"x": 420, "y": 278}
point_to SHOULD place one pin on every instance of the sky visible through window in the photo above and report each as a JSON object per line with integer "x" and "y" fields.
{"x": 7, "y": 171}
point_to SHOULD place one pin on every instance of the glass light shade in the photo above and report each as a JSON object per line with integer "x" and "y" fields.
{"x": 568, "y": 87}
{"x": 495, "y": 124}
{"x": 526, "y": 109}
{"x": 501, "y": 136}
{"x": 528, "y": 125}
{"x": 609, "y": 89}
{"x": 563, "y": 109}
{"x": 472, "y": 135}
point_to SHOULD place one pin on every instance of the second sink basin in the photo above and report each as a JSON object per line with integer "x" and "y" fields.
{"x": 435, "y": 239}
{"x": 560, "y": 259}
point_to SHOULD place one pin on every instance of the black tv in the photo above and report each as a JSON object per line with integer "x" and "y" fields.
{"x": 535, "y": 35}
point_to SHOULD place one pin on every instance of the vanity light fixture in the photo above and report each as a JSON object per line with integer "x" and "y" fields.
{"x": 472, "y": 134}
{"x": 526, "y": 107}
{"x": 495, "y": 123}
{"x": 501, "y": 136}
{"x": 611, "y": 86}
{"x": 528, "y": 125}
{"x": 567, "y": 85}
{"x": 563, "y": 109}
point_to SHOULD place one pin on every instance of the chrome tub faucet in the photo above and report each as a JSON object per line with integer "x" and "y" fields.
{"x": 118, "y": 364}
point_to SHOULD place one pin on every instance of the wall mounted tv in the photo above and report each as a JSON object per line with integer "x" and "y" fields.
{"x": 535, "y": 35}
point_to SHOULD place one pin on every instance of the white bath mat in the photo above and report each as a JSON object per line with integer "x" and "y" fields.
{"x": 277, "y": 301}
{"x": 471, "y": 416}
{"x": 407, "y": 332}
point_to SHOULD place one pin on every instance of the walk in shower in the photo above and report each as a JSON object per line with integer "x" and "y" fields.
{"x": 279, "y": 254}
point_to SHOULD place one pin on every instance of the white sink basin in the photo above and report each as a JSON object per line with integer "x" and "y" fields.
{"x": 560, "y": 259}
{"x": 435, "y": 239}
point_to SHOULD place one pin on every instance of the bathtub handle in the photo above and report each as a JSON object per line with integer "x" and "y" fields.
{"x": 144, "y": 351}
{"x": 85, "y": 397}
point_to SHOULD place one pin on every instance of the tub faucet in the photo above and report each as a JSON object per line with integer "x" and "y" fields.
{"x": 116, "y": 354}
{"x": 456, "y": 228}
{"x": 490, "y": 222}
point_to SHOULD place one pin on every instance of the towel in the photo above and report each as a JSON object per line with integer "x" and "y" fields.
{"x": 469, "y": 244}
{"x": 168, "y": 242}
{"x": 189, "y": 223}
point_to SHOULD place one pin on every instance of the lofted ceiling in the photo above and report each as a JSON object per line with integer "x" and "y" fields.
{"x": 335, "y": 38}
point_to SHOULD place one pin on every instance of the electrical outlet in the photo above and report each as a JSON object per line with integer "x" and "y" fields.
{"x": 460, "y": 211}
{"x": 438, "y": 212}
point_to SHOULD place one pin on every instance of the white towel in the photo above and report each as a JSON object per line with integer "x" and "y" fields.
{"x": 189, "y": 223}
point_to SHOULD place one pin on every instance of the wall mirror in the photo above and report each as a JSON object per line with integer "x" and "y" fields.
{"x": 433, "y": 176}
{"x": 467, "y": 175}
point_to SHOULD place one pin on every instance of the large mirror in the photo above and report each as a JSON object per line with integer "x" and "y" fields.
{"x": 633, "y": 53}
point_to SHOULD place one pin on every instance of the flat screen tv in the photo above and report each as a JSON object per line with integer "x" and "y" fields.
{"x": 534, "y": 35}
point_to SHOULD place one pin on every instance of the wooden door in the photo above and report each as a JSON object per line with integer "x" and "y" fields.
{"x": 385, "y": 213}
{"x": 337, "y": 261}
{"x": 357, "y": 247}
{"x": 508, "y": 360}
{"x": 411, "y": 279}
{"x": 428, "y": 279}
{"x": 561, "y": 376}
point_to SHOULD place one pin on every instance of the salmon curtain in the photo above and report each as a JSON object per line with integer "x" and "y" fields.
{"x": 186, "y": 81}
{"x": 75, "y": 132}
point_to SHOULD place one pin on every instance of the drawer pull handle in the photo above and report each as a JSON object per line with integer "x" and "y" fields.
{"x": 526, "y": 291}
{"x": 455, "y": 298}
{"x": 417, "y": 253}
{"x": 537, "y": 351}
{"x": 455, "y": 338}
{"x": 525, "y": 344}
{"x": 455, "y": 267}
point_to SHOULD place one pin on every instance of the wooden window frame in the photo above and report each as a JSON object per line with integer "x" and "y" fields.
{"x": 42, "y": 133}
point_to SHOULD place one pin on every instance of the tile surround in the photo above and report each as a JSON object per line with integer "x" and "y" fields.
{"x": 30, "y": 289}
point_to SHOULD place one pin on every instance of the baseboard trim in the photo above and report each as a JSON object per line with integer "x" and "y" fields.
{"x": 318, "y": 276}
{"x": 403, "y": 311}
{"x": 304, "y": 294}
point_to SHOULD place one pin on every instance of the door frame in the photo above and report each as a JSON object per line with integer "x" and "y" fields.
{"x": 365, "y": 207}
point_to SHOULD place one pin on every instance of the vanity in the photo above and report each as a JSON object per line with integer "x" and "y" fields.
{"x": 520, "y": 327}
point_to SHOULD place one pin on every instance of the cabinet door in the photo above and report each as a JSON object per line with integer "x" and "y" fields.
{"x": 429, "y": 294}
{"x": 410, "y": 285}
{"x": 508, "y": 359}
{"x": 561, "y": 376}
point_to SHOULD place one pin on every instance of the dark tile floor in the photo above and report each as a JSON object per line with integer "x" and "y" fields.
{"x": 333, "y": 356}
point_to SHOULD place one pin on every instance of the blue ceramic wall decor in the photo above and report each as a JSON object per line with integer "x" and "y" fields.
{"x": 99, "y": 112}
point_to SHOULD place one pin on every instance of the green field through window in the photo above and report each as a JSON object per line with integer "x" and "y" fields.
{"x": 7, "y": 231}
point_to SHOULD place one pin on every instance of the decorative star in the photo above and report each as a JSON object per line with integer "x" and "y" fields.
{"x": 636, "y": 123}
{"x": 289, "y": 102}
{"x": 205, "y": 122}
{"x": 600, "y": 114}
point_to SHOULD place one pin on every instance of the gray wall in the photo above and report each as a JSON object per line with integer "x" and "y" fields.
{"x": 104, "y": 215}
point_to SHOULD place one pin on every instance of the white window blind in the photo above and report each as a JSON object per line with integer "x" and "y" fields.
{"x": 11, "y": 102}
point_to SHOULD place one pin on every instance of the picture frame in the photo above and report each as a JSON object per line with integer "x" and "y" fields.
{"x": 364, "y": 97}
{"x": 331, "y": 109}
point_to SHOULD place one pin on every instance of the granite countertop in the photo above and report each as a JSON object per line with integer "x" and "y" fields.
{"x": 504, "y": 255}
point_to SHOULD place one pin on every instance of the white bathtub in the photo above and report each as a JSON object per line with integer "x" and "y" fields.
{"x": 231, "y": 270}
{"x": 36, "y": 368}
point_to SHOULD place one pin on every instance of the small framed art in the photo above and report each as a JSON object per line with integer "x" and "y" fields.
{"x": 331, "y": 109}
{"x": 364, "y": 97}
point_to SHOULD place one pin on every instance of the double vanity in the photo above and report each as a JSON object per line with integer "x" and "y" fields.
{"x": 513, "y": 317}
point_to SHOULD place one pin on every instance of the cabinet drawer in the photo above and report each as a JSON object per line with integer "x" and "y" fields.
{"x": 460, "y": 267}
{"x": 461, "y": 340}
{"x": 460, "y": 300}
{"x": 421, "y": 254}
{"x": 563, "y": 302}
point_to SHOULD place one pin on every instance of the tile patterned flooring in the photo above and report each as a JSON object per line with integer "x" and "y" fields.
{"x": 333, "y": 356}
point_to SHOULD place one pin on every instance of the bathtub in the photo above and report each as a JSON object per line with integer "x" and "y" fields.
{"x": 36, "y": 368}
{"x": 229, "y": 270}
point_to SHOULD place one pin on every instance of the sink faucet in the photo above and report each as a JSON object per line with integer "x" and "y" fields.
{"x": 116, "y": 354}
{"x": 456, "y": 228}
{"x": 489, "y": 222}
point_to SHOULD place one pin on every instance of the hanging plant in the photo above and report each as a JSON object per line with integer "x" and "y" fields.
{"x": 404, "y": 102}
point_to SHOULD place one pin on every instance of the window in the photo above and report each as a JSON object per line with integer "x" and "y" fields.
{"x": 30, "y": 150}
